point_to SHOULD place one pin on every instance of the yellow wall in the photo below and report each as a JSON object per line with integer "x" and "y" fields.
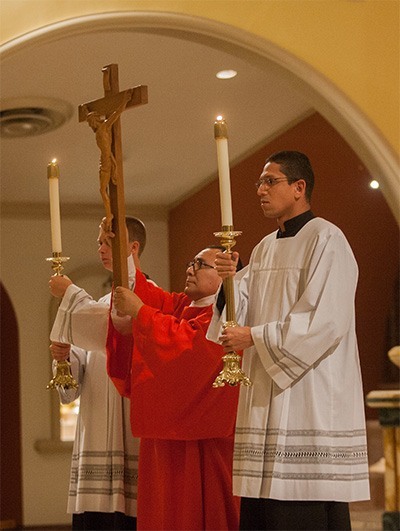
{"x": 354, "y": 43}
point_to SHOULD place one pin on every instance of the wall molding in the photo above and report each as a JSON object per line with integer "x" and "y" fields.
{"x": 22, "y": 210}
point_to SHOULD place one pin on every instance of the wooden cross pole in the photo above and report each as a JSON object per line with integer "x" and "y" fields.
{"x": 103, "y": 115}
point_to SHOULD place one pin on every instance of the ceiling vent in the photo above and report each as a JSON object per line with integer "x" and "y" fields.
{"x": 32, "y": 116}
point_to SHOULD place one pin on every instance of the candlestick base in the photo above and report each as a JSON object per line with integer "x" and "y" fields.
{"x": 63, "y": 377}
{"x": 231, "y": 373}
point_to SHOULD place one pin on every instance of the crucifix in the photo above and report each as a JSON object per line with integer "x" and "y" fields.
{"x": 103, "y": 116}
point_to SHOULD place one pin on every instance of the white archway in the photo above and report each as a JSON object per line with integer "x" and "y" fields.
{"x": 327, "y": 99}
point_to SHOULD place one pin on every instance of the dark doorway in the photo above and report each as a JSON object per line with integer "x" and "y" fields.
{"x": 11, "y": 482}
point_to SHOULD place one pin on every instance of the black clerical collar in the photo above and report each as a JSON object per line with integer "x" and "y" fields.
{"x": 293, "y": 225}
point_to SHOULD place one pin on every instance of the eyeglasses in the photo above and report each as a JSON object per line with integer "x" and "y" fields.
{"x": 198, "y": 264}
{"x": 269, "y": 181}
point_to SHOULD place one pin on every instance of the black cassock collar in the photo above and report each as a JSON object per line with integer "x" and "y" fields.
{"x": 293, "y": 225}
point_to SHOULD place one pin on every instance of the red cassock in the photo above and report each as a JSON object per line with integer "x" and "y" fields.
{"x": 186, "y": 426}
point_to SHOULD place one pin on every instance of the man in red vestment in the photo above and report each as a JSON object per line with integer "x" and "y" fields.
{"x": 167, "y": 368}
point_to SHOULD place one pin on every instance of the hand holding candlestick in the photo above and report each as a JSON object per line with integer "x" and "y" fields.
{"x": 63, "y": 377}
{"x": 231, "y": 373}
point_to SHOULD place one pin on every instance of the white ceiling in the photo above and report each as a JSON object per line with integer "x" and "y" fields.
{"x": 168, "y": 144}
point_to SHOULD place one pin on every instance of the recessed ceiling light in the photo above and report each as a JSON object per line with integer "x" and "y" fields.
{"x": 374, "y": 184}
{"x": 226, "y": 74}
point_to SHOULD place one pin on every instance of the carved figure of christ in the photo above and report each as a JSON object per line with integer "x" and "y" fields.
{"x": 103, "y": 116}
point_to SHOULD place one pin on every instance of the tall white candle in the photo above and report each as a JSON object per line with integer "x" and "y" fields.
{"x": 221, "y": 138}
{"x": 53, "y": 174}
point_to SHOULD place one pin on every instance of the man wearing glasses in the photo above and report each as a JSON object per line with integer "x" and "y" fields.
{"x": 167, "y": 367}
{"x": 300, "y": 444}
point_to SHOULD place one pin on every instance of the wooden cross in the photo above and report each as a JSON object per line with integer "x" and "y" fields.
{"x": 105, "y": 116}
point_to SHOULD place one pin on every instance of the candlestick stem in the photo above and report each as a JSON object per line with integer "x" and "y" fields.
{"x": 63, "y": 377}
{"x": 231, "y": 373}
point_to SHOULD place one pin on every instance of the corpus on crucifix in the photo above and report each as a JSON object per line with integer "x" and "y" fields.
{"x": 103, "y": 116}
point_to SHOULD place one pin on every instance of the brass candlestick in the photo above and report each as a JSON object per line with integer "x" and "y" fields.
{"x": 231, "y": 373}
{"x": 63, "y": 377}
{"x": 57, "y": 262}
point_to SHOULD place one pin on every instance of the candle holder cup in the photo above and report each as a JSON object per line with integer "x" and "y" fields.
{"x": 63, "y": 377}
{"x": 232, "y": 373}
{"x": 57, "y": 262}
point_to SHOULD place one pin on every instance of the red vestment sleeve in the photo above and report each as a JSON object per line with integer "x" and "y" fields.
{"x": 156, "y": 297}
{"x": 173, "y": 369}
{"x": 119, "y": 359}
{"x": 119, "y": 347}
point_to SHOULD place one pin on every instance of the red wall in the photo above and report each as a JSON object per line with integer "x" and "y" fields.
{"x": 343, "y": 196}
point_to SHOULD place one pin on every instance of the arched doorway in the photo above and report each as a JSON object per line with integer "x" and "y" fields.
{"x": 361, "y": 135}
{"x": 11, "y": 498}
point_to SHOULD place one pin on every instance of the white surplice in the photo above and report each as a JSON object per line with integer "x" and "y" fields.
{"x": 300, "y": 432}
{"x": 105, "y": 454}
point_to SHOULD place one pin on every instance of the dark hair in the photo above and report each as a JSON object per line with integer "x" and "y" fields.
{"x": 295, "y": 166}
{"x": 136, "y": 232}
